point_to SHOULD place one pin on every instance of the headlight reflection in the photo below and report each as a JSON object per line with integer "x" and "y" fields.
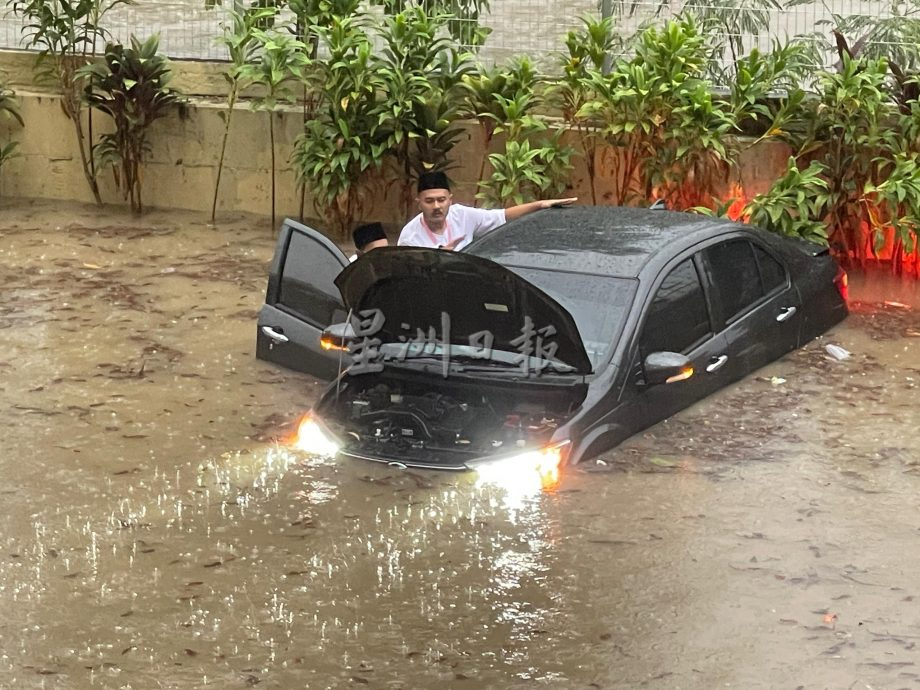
{"x": 312, "y": 439}
{"x": 526, "y": 474}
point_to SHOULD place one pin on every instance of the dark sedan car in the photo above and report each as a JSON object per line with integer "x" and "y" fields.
{"x": 550, "y": 339}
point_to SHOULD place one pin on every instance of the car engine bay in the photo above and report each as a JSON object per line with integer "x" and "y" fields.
{"x": 392, "y": 420}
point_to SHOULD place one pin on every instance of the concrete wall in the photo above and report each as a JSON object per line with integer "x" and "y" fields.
{"x": 181, "y": 170}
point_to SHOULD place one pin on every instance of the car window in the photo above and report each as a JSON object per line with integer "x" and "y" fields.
{"x": 598, "y": 304}
{"x": 735, "y": 276}
{"x": 772, "y": 272}
{"x": 306, "y": 281}
{"x": 677, "y": 318}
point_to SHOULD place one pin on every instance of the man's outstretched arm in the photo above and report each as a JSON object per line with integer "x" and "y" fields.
{"x": 524, "y": 209}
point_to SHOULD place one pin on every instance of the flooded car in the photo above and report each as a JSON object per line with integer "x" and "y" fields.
{"x": 548, "y": 340}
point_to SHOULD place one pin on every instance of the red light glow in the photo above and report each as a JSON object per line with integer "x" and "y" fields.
{"x": 842, "y": 281}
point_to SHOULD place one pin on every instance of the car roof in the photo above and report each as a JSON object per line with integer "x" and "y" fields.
{"x": 605, "y": 240}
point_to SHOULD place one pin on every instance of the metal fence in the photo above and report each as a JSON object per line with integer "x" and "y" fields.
{"x": 188, "y": 29}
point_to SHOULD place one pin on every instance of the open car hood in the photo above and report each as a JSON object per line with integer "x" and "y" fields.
{"x": 415, "y": 288}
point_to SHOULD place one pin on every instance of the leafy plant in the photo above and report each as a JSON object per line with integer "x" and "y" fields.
{"x": 65, "y": 33}
{"x": 463, "y": 22}
{"x": 9, "y": 110}
{"x": 130, "y": 86}
{"x": 863, "y": 180}
{"x": 340, "y": 148}
{"x": 311, "y": 18}
{"x": 9, "y": 105}
{"x": 730, "y": 22}
{"x": 530, "y": 164}
{"x": 281, "y": 64}
{"x": 437, "y": 120}
{"x": 239, "y": 39}
{"x": 419, "y": 71}
{"x": 524, "y": 172}
{"x": 496, "y": 96}
{"x": 8, "y": 152}
{"x": 850, "y": 133}
{"x": 795, "y": 205}
{"x": 895, "y": 203}
{"x": 889, "y": 203}
{"x": 765, "y": 92}
{"x": 893, "y": 36}
{"x": 658, "y": 112}
{"x": 588, "y": 50}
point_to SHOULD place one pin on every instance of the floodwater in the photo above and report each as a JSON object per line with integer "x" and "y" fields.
{"x": 158, "y": 532}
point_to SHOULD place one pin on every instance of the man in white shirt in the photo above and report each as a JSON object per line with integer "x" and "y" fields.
{"x": 443, "y": 224}
{"x": 366, "y": 237}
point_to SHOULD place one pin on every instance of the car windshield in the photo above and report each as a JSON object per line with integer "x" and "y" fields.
{"x": 598, "y": 304}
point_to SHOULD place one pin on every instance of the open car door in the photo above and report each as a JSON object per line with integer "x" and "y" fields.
{"x": 301, "y": 301}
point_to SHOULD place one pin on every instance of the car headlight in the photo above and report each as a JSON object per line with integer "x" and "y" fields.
{"x": 312, "y": 438}
{"x": 539, "y": 465}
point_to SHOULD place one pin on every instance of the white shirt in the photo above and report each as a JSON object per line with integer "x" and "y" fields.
{"x": 463, "y": 223}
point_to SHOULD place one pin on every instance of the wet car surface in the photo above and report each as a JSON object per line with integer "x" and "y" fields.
{"x": 160, "y": 533}
{"x": 548, "y": 340}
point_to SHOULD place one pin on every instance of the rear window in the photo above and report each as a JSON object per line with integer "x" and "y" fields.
{"x": 598, "y": 304}
{"x": 735, "y": 276}
{"x": 772, "y": 272}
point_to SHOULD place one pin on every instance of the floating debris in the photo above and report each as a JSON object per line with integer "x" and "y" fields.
{"x": 837, "y": 352}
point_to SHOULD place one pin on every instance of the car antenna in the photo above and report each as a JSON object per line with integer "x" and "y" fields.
{"x": 338, "y": 376}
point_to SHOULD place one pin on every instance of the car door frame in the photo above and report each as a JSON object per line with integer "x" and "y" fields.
{"x": 747, "y": 354}
{"x": 284, "y": 336}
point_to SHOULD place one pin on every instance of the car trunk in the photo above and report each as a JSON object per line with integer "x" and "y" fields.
{"x": 397, "y": 417}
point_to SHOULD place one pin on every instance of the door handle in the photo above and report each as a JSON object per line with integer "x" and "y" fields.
{"x": 786, "y": 313}
{"x": 275, "y": 336}
{"x": 716, "y": 363}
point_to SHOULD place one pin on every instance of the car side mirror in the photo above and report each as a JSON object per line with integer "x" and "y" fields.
{"x": 338, "y": 336}
{"x": 667, "y": 367}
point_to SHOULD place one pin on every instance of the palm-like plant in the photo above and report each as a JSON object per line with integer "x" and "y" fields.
{"x": 894, "y": 37}
{"x": 463, "y": 17}
{"x": 766, "y": 87}
{"x": 530, "y": 163}
{"x": 437, "y": 120}
{"x": 311, "y": 18}
{"x": 492, "y": 96}
{"x": 795, "y": 204}
{"x": 587, "y": 50}
{"x": 657, "y": 110}
{"x": 730, "y": 23}
{"x": 130, "y": 86}
{"x": 239, "y": 39}
{"x": 420, "y": 71}
{"x": 851, "y": 133}
{"x": 341, "y": 146}
{"x": 65, "y": 33}
{"x": 281, "y": 66}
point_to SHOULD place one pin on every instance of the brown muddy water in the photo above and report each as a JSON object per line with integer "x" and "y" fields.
{"x": 159, "y": 533}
